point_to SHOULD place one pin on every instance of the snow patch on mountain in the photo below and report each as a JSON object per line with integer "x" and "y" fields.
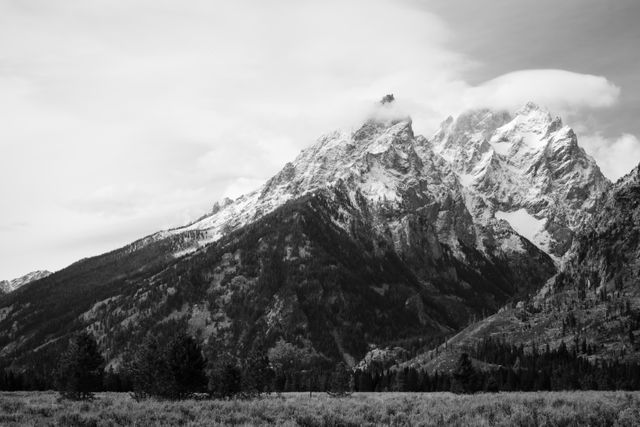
{"x": 529, "y": 227}
{"x": 523, "y": 222}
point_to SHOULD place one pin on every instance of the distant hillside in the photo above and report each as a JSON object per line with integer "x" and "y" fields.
{"x": 7, "y": 286}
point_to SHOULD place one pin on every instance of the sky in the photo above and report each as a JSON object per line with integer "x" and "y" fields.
{"x": 121, "y": 118}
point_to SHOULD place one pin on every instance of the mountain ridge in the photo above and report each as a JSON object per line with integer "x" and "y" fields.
{"x": 7, "y": 286}
{"x": 376, "y": 213}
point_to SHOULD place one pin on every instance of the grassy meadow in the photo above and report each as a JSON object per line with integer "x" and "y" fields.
{"x": 360, "y": 409}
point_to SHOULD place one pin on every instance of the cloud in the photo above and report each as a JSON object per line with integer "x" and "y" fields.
{"x": 615, "y": 156}
{"x": 13, "y": 226}
{"x": 556, "y": 89}
{"x": 431, "y": 99}
{"x": 564, "y": 92}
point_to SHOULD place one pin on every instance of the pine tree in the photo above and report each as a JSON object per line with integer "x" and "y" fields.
{"x": 149, "y": 370}
{"x": 229, "y": 381}
{"x": 400, "y": 380}
{"x": 413, "y": 380}
{"x": 186, "y": 367}
{"x": 364, "y": 381}
{"x": 340, "y": 384}
{"x": 80, "y": 368}
{"x": 465, "y": 377}
{"x": 174, "y": 370}
{"x": 257, "y": 374}
{"x": 224, "y": 370}
{"x": 491, "y": 383}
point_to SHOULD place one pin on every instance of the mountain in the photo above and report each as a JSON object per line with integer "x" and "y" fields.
{"x": 7, "y": 286}
{"x": 367, "y": 238}
{"x": 527, "y": 170}
{"x": 592, "y": 305}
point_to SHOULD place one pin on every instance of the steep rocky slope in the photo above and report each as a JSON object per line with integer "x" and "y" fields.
{"x": 595, "y": 298}
{"x": 527, "y": 169}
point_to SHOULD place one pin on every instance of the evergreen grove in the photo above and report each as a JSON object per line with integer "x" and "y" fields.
{"x": 177, "y": 367}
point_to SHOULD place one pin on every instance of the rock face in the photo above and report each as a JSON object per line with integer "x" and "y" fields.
{"x": 527, "y": 169}
{"x": 7, "y": 286}
{"x": 594, "y": 299}
{"x": 366, "y": 238}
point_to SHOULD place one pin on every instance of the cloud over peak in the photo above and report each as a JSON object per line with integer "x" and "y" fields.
{"x": 559, "y": 90}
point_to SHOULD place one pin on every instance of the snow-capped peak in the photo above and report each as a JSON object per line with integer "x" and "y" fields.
{"x": 382, "y": 163}
{"x": 523, "y": 170}
{"x": 531, "y": 107}
{"x": 529, "y": 163}
{"x": 527, "y": 131}
{"x": 335, "y": 157}
{"x": 463, "y": 142}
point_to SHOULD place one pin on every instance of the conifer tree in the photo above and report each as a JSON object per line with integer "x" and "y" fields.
{"x": 80, "y": 368}
{"x": 223, "y": 371}
{"x": 340, "y": 384}
{"x": 186, "y": 367}
{"x": 465, "y": 377}
{"x": 174, "y": 370}
{"x": 364, "y": 381}
{"x": 148, "y": 369}
{"x": 229, "y": 381}
{"x": 257, "y": 373}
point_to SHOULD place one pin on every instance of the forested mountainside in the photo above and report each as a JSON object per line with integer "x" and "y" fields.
{"x": 368, "y": 238}
{"x": 296, "y": 273}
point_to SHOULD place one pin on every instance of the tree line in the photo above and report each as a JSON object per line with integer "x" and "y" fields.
{"x": 179, "y": 368}
{"x": 501, "y": 366}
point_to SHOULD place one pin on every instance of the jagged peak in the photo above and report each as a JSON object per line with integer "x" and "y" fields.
{"x": 446, "y": 122}
{"x": 386, "y": 113}
{"x": 379, "y": 125}
{"x": 531, "y": 107}
{"x": 474, "y": 124}
{"x": 388, "y": 98}
{"x": 631, "y": 177}
{"x": 532, "y": 112}
{"x": 532, "y": 118}
{"x": 481, "y": 118}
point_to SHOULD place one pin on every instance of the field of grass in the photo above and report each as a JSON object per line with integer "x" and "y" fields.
{"x": 360, "y": 409}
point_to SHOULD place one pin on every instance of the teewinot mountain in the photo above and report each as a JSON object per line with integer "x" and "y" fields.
{"x": 368, "y": 238}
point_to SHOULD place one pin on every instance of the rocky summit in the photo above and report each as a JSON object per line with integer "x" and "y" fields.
{"x": 7, "y": 286}
{"x": 527, "y": 170}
